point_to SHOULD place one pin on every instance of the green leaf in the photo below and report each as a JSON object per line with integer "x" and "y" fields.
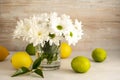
{"x": 50, "y": 52}
{"x": 37, "y": 62}
{"x": 39, "y": 72}
{"x": 20, "y": 71}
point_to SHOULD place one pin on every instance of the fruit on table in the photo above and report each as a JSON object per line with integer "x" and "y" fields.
{"x": 3, "y": 53}
{"x": 80, "y": 64}
{"x": 99, "y": 55}
{"x": 65, "y": 50}
{"x": 30, "y": 49}
{"x": 21, "y": 59}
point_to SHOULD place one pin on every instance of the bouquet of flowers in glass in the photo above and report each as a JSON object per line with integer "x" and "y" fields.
{"x": 46, "y": 31}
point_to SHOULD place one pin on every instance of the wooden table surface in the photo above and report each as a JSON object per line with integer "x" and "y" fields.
{"x": 107, "y": 70}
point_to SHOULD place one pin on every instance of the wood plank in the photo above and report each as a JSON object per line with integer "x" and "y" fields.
{"x": 101, "y": 20}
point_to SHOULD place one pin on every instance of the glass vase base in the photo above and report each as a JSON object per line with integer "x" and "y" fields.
{"x": 49, "y": 68}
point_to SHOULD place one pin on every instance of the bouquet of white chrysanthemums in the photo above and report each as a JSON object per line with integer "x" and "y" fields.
{"x": 48, "y": 27}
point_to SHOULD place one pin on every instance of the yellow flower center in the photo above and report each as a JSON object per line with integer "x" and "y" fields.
{"x": 39, "y": 33}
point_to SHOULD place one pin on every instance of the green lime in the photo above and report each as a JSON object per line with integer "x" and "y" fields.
{"x": 99, "y": 54}
{"x": 80, "y": 64}
{"x": 30, "y": 49}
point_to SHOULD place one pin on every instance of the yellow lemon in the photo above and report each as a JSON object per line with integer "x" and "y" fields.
{"x": 65, "y": 50}
{"x": 21, "y": 59}
{"x": 3, "y": 53}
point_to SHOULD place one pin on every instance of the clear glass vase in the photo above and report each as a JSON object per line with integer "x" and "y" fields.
{"x": 50, "y": 55}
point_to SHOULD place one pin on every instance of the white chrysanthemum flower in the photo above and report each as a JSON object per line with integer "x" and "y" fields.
{"x": 27, "y": 26}
{"x": 42, "y": 20}
{"x": 54, "y": 22}
{"x": 18, "y": 30}
{"x": 22, "y": 29}
{"x": 44, "y": 17}
{"x": 38, "y": 35}
{"x": 60, "y": 24}
{"x": 78, "y": 27}
{"x": 66, "y": 21}
{"x": 55, "y": 39}
{"x": 72, "y": 36}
